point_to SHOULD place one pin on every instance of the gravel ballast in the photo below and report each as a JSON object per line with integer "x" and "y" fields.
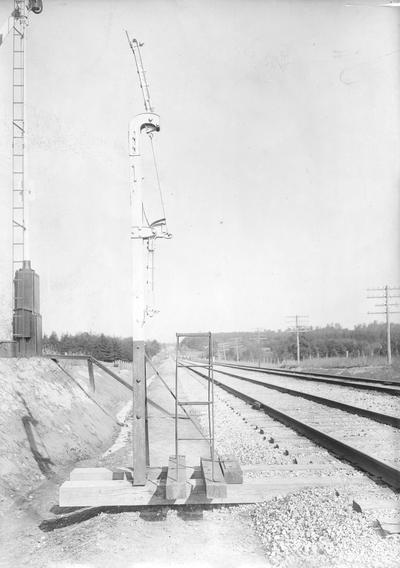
{"x": 370, "y": 400}
{"x": 308, "y": 528}
{"x": 318, "y": 528}
{"x": 379, "y": 440}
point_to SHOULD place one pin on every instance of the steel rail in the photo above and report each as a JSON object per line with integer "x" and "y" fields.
{"x": 378, "y": 468}
{"x": 371, "y": 414}
{"x": 388, "y": 387}
{"x": 317, "y": 374}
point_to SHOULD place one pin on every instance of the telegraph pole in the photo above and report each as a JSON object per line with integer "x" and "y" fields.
{"x": 230, "y": 344}
{"x": 386, "y": 293}
{"x": 299, "y": 325}
{"x": 259, "y": 339}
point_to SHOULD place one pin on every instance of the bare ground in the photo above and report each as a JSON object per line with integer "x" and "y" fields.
{"x": 35, "y": 532}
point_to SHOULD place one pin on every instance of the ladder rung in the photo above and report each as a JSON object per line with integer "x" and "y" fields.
{"x": 206, "y": 367}
{"x": 193, "y": 402}
{"x": 187, "y": 365}
{"x": 193, "y": 335}
{"x": 200, "y": 439}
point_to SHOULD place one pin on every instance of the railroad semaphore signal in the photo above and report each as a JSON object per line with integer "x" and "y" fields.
{"x": 26, "y": 319}
{"x": 143, "y": 236}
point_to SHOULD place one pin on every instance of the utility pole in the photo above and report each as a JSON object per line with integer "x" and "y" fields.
{"x": 299, "y": 325}
{"x": 386, "y": 293}
{"x": 259, "y": 340}
{"x": 222, "y": 346}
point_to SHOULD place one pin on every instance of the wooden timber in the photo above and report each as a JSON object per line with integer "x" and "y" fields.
{"x": 302, "y": 458}
{"x": 175, "y": 487}
{"x": 91, "y": 473}
{"x": 389, "y": 525}
{"x": 387, "y": 512}
{"x": 361, "y": 505}
{"x": 290, "y": 467}
{"x": 213, "y": 479}
{"x": 110, "y": 493}
{"x": 231, "y": 469}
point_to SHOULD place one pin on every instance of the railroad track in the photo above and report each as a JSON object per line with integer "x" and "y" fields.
{"x": 385, "y": 386}
{"x": 358, "y": 439}
{"x": 370, "y": 405}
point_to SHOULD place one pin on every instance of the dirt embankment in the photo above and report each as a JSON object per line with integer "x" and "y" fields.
{"x": 49, "y": 418}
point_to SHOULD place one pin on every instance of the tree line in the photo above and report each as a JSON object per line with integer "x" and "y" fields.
{"x": 100, "y": 346}
{"x": 329, "y": 341}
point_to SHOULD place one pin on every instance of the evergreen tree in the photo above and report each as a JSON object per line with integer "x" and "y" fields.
{"x": 103, "y": 349}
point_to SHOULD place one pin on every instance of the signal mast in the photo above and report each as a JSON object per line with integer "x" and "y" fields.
{"x": 143, "y": 236}
{"x": 25, "y": 296}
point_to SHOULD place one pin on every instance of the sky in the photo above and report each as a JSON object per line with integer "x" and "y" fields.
{"x": 278, "y": 157}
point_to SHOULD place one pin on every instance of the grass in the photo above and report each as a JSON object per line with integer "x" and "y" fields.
{"x": 374, "y": 367}
{"x": 341, "y": 362}
{"x": 369, "y": 367}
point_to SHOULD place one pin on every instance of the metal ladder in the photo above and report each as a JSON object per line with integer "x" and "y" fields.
{"x": 209, "y": 403}
{"x": 18, "y": 156}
